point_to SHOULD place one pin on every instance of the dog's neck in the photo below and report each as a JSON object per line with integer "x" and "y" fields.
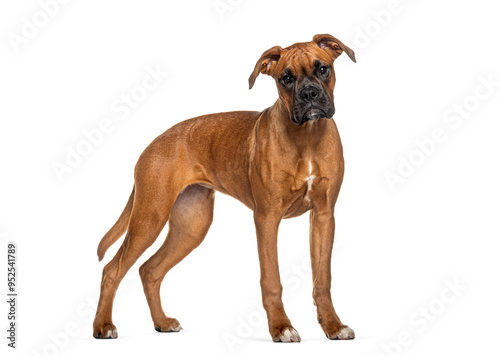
{"x": 304, "y": 137}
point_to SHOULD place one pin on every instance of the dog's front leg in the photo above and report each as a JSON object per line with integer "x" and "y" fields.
{"x": 321, "y": 242}
{"x": 267, "y": 241}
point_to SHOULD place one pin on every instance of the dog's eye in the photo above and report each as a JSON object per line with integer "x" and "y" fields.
{"x": 324, "y": 71}
{"x": 287, "y": 79}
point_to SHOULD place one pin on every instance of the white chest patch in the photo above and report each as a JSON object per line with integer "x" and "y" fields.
{"x": 309, "y": 181}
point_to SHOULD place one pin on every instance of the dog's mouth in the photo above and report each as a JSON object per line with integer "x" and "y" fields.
{"x": 311, "y": 114}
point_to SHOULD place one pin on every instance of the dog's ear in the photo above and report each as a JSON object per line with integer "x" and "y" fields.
{"x": 333, "y": 46}
{"x": 266, "y": 63}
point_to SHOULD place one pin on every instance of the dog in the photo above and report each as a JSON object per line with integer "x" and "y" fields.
{"x": 281, "y": 163}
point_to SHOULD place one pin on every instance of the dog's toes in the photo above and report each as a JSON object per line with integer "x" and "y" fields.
{"x": 105, "y": 331}
{"x": 287, "y": 334}
{"x": 168, "y": 325}
{"x": 345, "y": 333}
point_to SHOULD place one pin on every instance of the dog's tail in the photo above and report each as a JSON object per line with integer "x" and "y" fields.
{"x": 118, "y": 228}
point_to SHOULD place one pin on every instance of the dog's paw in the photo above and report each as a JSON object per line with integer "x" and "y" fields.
{"x": 168, "y": 325}
{"x": 105, "y": 331}
{"x": 286, "y": 334}
{"x": 346, "y": 333}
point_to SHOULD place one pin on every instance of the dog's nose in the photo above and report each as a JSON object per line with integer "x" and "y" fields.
{"x": 309, "y": 94}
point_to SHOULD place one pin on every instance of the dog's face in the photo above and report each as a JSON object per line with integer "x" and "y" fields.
{"x": 304, "y": 76}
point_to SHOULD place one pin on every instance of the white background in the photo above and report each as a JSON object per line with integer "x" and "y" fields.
{"x": 397, "y": 250}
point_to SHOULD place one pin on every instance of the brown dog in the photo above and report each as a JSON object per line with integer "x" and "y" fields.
{"x": 280, "y": 163}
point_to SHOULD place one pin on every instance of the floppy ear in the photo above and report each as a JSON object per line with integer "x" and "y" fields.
{"x": 333, "y": 46}
{"x": 266, "y": 63}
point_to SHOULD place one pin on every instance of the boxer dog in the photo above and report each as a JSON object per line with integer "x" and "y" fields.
{"x": 280, "y": 163}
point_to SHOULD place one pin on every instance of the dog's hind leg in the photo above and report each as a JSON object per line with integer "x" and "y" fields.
{"x": 190, "y": 219}
{"x": 150, "y": 212}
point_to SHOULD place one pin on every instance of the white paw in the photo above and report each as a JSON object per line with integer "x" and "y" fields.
{"x": 111, "y": 334}
{"x": 345, "y": 334}
{"x": 106, "y": 331}
{"x": 289, "y": 335}
{"x": 168, "y": 330}
{"x": 170, "y": 325}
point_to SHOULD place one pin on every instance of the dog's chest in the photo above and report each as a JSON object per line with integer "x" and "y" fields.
{"x": 303, "y": 178}
{"x": 303, "y": 184}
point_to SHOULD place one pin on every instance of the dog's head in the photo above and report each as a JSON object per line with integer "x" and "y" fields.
{"x": 304, "y": 75}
